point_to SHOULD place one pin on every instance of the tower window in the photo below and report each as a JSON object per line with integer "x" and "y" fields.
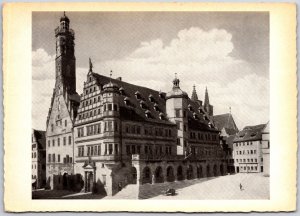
{"x": 177, "y": 113}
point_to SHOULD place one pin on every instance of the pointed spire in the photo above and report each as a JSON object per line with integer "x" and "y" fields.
{"x": 110, "y": 74}
{"x": 90, "y": 65}
{"x": 206, "y": 98}
{"x": 194, "y": 94}
{"x": 230, "y": 110}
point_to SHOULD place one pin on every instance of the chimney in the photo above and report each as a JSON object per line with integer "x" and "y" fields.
{"x": 119, "y": 78}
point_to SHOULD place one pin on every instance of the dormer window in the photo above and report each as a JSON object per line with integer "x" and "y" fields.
{"x": 122, "y": 92}
{"x": 161, "y": 116}
{"x": 156, "y": 108}
{"x": 137, "y": 95}
{"x": 253, "y": 134}
{"x": 201, "y": 111}
{"x": 195, "y": 115}
{"x": 151, "y": 98}
{"x": 143, "y": 104}
{"x": 127, "y": 101}
{"x": 190, "y": 107}
{"x": 148, "y": 114}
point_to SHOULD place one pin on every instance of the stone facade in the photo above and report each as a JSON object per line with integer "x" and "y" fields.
{"x": 247, "y": 150}
{"x": 38, "y": 158}
{"x": 63, "y": 110}
{"x": 117, "y": 133}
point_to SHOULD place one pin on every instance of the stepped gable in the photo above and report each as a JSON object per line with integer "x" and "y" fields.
{"x": 138, "y": 107}
{"x": 40, "y": 137}
{"x": 250, "y": 133}
{"x": 225, "y": 121}
{"x": 201, "y": 120}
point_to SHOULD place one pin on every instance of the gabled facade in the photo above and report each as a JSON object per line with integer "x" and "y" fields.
{"x": 63, "y": 109}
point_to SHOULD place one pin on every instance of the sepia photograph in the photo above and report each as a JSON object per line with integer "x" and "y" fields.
{"x": 150, "y": 105}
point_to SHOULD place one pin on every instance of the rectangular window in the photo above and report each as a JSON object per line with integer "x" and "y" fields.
{"x": 58, "y": 141}
{"x": 116, "y": 149}
{"x": 138, "y": 129}
{"x": 66, "y": 123}
{"x": 92, "y": 150}
{"x": 110, "y": 149}
{"x": 70, "y": 140}
{"x": 110, "y": 128}
{"x": 53, "y": 142}
{"x": 99, "y": 150}
{"x": 49, "y": 158}
{"x": 109, "y": 107}
{"x": 53, "y": 158}
{"x": 177, "y": 113}
{"x": 105, "y": 149}
{"x": 65, "y": 141}
{"x": 115, "y": 107}
{"x": 48, "y": 143}
{"x": 178, "y": 141}
{"x": 58, "y": 158}
{"x": 52, "y": 126}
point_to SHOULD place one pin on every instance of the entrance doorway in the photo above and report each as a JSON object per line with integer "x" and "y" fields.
{"x": 89, "y": 181}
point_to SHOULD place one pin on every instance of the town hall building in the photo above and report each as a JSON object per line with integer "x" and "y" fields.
{"x": 116, "y": 133}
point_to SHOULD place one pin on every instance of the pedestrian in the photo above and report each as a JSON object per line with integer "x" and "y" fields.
{"x": 241, "y": 187}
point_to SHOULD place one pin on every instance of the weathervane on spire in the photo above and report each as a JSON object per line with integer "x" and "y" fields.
{"x": 230, "y": 110}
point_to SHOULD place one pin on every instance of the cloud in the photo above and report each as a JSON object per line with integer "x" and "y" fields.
{"x": 202, "y": 58}
{"x": 198, "y": 57}
{"x": 43, "y": 65}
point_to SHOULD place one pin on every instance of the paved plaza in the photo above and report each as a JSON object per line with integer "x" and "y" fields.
{"x": 254, "y": 186}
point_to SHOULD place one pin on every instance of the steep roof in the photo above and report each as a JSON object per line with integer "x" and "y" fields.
{"x": 137, "y": 113}
{"x": 225, "y": 121}
{"x": 40, "y": 137}
{"x": 250, "y": 133}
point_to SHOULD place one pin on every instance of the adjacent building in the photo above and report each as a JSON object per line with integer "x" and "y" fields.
{"x": 226, "y": 124}
{"x": 38, "y": 159}
{"x": 247, "y": 150}
{"x": 266, "y": 149}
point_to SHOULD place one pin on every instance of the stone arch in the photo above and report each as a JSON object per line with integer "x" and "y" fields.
{"x": 207, "y": 171}
{"x": 180, "y": 173}
{"x": 170, "y": 174}
{"x": 190, "y": 172}
{"x": 215, "y": 170}
{"x": 133, "y": 173}
{"x": 199, "y": 172}
{"x": 221, "y": 170}
{"x": 147, "y": 177}
{"x": 159, "y": 177}
{"x": 65, "y": 181}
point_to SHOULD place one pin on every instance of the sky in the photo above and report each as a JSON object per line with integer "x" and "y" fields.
{"x": 227, "y": 52}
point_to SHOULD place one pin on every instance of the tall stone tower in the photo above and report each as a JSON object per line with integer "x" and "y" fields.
{"x": 65, "y": 58}
{"x": 63, "y": 111}
{"x": 176, "y": 106}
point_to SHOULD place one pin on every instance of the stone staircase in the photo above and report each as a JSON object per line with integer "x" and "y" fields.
{"x": 131, "y": 191}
